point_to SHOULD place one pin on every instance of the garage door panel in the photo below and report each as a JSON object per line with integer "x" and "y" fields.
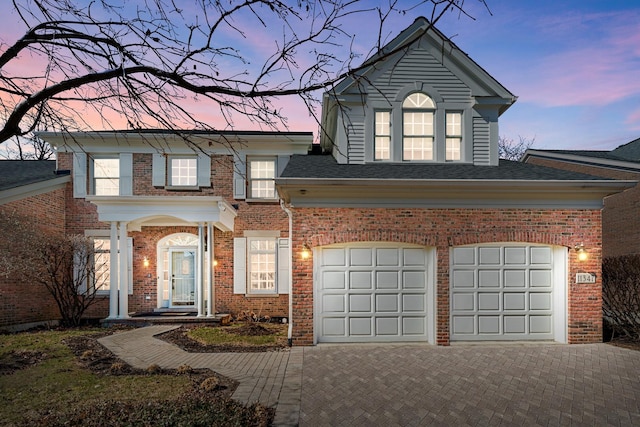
{"x": 464, "y": 256}
{"x": 489, "y": 325}
{"x": 539, "y": 301}
{"x": 360, "y": 303}
{"x": 387, "y": 280}
{"x": 334, "y": 257}
{"x": 463, "y": 302}
{"x": 359, "y": 326}
{"x": 334, "y": 326}
{"x": 513, "y": 297}
{"x": 360, "y": 280}
{"x": 379, "y": 294}
{"x": 514, "y": 324}
{"x": 387, "y": 257}
{"x": 463, "y": 279}
{"x": 515, "y": 278}
{"x": 387, "y": 303}
{"x": 333, "y": 303}
{"x": 489, "y": 256}
{"x": 489, "y": 301}
{"x": 414, "y": 326}
{"x": 540, "y": 278}
{"x": 414, "y": 257}
{"x": 489, "y": 278}
{"x": 361, "y": 257}
{"x": 333, "y": 280}
{"x": 389, "y": 326}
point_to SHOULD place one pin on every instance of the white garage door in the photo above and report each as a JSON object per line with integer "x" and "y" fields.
{"x": 503, "y": 292}
{"x": 372, "y": 293}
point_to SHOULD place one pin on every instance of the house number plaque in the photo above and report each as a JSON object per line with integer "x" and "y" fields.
{"x": 585, "y": 278}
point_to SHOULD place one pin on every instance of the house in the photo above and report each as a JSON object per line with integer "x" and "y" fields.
{"x": 34, "y": 190}
{"x": 418, "y": 232}
{"x": 620, "y": 216}
{"x": 402, "y": 225}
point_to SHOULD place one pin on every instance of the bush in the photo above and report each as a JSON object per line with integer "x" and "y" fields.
{"x": 621, "y": 295}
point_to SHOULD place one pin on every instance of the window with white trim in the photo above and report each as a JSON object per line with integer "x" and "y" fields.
{"x": 261, "y": 264}
{"x": 183, "y": 171}
{"x": 261, "y": 178}
{"x": 382, "y": 135}
{"x": 105, "y": 173}
{"x": 101, "y": 263}
{"x": 453, "y": 137}
{"x": 418, "y": 111}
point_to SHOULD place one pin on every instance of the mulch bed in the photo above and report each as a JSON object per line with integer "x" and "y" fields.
{"x": 180, "y": 338}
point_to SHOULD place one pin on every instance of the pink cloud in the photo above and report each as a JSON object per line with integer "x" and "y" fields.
{"x": 598, "y": 72}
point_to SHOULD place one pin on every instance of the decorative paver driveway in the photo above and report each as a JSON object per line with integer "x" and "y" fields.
{"x": 485, "y": 384}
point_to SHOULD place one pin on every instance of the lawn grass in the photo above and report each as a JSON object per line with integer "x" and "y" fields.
{"x": 58, "y": 390}
{"x": 58, "y": 382}
{"x": 239, "y": 334}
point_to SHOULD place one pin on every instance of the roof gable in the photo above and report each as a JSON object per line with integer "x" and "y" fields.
{"x": 423, "y": 35}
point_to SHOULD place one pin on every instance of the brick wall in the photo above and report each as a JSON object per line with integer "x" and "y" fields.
{"x": 442, "y": 229}
{"x": 22, "y": 301}
{"x": 621, "y": 213}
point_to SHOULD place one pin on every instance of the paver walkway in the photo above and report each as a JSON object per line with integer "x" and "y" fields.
{"x": 470, "y": 385}
{"x": 271, "y": 378}
{"x": 418, "y": 384}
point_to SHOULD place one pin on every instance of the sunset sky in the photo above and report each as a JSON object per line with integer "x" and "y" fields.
{"x": 574, "y": 65}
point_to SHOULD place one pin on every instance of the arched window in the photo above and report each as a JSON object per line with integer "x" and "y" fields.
{"x": 418, "y": 111}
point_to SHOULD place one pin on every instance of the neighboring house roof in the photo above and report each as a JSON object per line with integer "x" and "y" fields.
{"x": 624, "y": 157}
{"x": 318, "y": 180}
{"x": 20, "y": 178}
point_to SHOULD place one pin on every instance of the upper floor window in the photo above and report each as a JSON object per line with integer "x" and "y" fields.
{"x": 418, "y": 112}
{"x": 183, "y": 171}
{"x": 106, "y": 176}
{"x": 261, "y": 177}
{"x": 453, "y": 136}
{"x": 382, "y": 135}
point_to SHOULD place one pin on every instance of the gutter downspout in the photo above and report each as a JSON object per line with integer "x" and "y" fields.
{"x": 290, "y": 329}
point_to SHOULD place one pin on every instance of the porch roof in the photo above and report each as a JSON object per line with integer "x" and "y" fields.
{"x": 146, "y": 211}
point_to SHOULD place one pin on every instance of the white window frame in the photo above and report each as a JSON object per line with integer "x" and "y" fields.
{"x": 251, "y": 179}
{"x": 242, "y": 267}
{"x": 105, "y": 235}
{"x": 261, "y": 253}
{"x": 382, "y": 148}
{"x": 451, "y": 136}
{"x": 170, "y": 172}
{"x": 92, "y": 172}
{"x": 423, "y": 107}
{"x": 106, "y": 285}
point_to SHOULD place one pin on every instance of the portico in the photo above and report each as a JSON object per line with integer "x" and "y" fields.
{"x": 130, "y": 213}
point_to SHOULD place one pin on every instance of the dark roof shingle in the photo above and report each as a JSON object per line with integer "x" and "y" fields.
{"x": 326, "y": 167}
{"x": 16, "y": 173}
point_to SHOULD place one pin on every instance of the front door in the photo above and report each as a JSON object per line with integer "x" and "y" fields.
{"x": 183, "y": 277}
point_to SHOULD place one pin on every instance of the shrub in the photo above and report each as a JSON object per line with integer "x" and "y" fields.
{"x": 621, "y": 295}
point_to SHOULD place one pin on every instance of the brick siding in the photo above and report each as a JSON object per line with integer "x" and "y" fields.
{"x": 22, "y": 301}
{"x": 443, "y": 229}
{"x": 620, "y": 216}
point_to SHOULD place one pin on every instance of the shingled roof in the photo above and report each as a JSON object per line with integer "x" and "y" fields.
{"x": 16, "y": 173}
{"x": 326, "y": 167}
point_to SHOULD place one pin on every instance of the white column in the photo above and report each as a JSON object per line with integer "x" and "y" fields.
{"x": 124, "y": 273}
{"x": 199, "y": 272}
{"x": 211, "y": 305}
{"x": 113, "y": 271}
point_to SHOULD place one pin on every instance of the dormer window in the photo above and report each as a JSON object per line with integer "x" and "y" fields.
{"x": 419, "y": 126}
{"x": 418, "y": 112}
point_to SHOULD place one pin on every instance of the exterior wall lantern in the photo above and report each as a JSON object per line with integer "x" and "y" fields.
{"x": 306, "y": 251}
{"x": 145, "y": 262}
{"x": 582, "y": 253}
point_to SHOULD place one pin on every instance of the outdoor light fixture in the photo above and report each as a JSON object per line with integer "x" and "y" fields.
{"x": 582, "y": 253}
{"x": 215, "y": 262}
{"x": 145, "y": 262}
{"x": 306, "y": 251}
